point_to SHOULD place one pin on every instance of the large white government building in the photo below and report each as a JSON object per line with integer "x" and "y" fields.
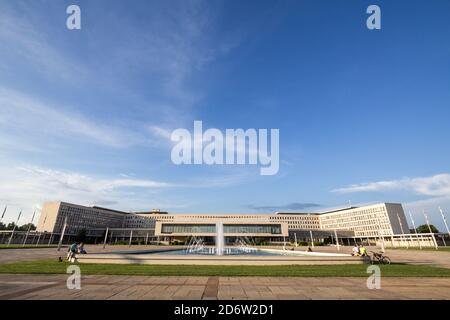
{"x": 366, "y": 222}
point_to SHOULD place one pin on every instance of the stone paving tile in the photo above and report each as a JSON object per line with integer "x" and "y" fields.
{"x": 282, "y": 290}
{"x": 142, "y": 287}
{"x": 130, "y": 293}
{"x": 189, "y": 293}
{"x": 431, "y": 293}
{"x": 196, "y": 280}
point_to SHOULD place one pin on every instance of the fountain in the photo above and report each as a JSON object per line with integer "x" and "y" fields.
{"x": 196, "y": 252}
{"x": 220, "y": 239}
{"x": 195, "y": 245}
{"x": 242, "y": 246}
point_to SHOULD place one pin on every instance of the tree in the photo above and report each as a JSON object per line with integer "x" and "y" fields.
{"x": 26, "y": 226}
{"x": 424, "y": 229}
{"x": 10, "y": 226}
{"x": 81, "y": 235}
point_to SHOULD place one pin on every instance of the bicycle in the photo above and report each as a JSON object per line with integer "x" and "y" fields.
{"x": 380, "y": 258}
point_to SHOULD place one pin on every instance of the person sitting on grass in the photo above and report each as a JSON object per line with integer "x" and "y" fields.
{"x": 362, "y": 251}
{"x": 72, "y": 251}
{"x": 355, "y": 251}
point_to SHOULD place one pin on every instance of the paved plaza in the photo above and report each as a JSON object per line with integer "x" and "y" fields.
{"x": 190, "y": 287}
{"x": 50, "y": 287}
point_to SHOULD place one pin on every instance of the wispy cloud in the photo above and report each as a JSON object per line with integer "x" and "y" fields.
{"x": 23, "y": 40}
{"x": 179, "y": 39}
{"x": 165, "y": 53}
{"x": 84, "y": 183}
{"x": 295, "y": 206}
{"x": 435, "y": 186}
{"x": 27, "y": 186}
{"x": 27, "y": 115}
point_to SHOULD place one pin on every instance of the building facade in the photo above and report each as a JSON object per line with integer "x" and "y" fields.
{"x": 372, "y": 221}
{"x": 54, "y": 214}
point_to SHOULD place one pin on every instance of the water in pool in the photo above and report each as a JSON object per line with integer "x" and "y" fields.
{"x": 212, "y": 252}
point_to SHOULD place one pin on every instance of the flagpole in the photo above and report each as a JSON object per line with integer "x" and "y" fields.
{"x": 403, "y": 232}
{"x": 429, "y": 228}
{"x": 445, "y": 220}
{"x": 414, "y": 226}
{"x": 14, "y": 229}
{"x": 3, "y": 214}
{"x": 29, "y": 228}
{"x": 43, "y": 226}
{"x": 62, "y": 234}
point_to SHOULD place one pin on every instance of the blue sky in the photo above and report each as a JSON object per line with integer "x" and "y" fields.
{"x": 86, "y": 115}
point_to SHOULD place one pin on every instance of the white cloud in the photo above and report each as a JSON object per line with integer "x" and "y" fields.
{"x": 27, "y": 115}
{"x": 161, "y": 132}
{"x": 435, "y": 186}
{"x": 177, "y": 41}
{"x": 29, "y": 186}
{"x": 84, "y": 183}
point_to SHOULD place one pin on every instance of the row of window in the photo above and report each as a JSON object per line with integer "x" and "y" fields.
{"x": 211, "y": 228}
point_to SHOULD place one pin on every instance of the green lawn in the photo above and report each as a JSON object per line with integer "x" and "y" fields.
{"x": 28, "y": 246}
{"x": 394, "y": 270}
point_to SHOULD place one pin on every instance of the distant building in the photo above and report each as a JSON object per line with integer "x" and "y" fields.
{"x": 372, "y": 221}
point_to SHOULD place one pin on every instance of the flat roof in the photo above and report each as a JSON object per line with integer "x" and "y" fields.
{"x": 337, "y": 210}
{"x": 297, "y": 213}
{"x": 111, "y": 210}
{"x": 151, "y": 212}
